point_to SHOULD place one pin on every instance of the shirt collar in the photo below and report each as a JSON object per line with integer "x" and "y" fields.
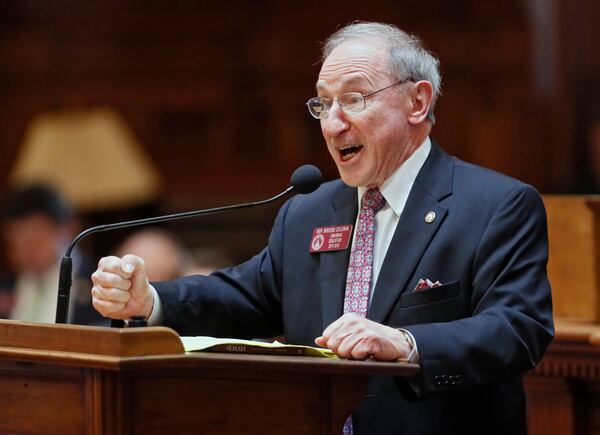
{"x": 397, "y": 187}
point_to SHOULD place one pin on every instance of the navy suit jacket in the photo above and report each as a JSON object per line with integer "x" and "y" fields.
{"x": 490, "y": 321}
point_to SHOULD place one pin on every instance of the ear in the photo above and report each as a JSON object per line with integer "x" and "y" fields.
{"x": 421, "y": 96}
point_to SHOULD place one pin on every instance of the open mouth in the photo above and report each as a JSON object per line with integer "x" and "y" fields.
{"x": 348, "y": 152}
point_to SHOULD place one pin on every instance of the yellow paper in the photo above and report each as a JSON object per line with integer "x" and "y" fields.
{"x": 212, "y": 344}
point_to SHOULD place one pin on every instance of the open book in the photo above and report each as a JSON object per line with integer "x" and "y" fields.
{"x": 212, "y": 344}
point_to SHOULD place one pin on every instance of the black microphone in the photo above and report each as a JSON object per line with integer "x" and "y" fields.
{"x": 305, "y": 179}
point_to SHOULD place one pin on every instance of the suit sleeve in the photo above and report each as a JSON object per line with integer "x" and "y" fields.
{"x": 511, "y": 320}
{"x": 242, "y": 301}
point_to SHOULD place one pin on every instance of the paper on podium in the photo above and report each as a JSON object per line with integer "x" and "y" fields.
{"x": 212, "y": 344}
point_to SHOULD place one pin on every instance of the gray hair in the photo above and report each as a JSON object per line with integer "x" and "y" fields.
{"x": 409, "y": 60}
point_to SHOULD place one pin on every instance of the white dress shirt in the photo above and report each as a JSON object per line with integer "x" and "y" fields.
{"x": 35, "y": 297}
{"x": 395, "y": 190}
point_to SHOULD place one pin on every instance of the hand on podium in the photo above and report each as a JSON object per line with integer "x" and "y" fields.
{"x": 121, "y": 288}
{"x": 355, "y": 337}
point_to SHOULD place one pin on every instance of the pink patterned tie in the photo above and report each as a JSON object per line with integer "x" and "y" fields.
{"x": 360, "y": 268}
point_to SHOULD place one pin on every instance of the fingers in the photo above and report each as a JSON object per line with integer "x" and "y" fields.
{"x": 335, "y": 333}
{"x": 350, "y": 337}
{"x": 110, "y": 280}
{"x": 125, "y": 267}
{"x": 131, "y": 264}
{"x": 355, "y": 337}
{"x": 135, "y": 269}
{"x": 109, "y": 309}
{"x": 357, "y": 346}
{"x": 121, "y": 288}
{"x": 110, "y": 294}
{"x": 110, "y": 301}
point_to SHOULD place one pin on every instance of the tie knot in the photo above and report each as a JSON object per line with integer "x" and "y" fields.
{"x": 373, "y": 200}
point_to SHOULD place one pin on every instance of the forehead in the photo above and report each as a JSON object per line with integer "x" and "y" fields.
{"x": 355, "y": 61}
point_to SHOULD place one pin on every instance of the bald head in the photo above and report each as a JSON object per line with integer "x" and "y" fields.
{"x": 406, "y": 56}
{"x": 165, "y": 257}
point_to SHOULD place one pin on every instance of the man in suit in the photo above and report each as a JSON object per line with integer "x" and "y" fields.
{"x": 446, "y": 265}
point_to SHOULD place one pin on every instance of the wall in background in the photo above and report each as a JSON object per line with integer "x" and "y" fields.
{"x": 216, "y": 90}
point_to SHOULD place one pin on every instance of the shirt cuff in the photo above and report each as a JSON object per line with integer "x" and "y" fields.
{"x": 413, "y": 356}
{"x": 156, "y": 316}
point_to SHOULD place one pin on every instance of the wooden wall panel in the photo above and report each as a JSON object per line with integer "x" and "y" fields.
{"x": 216, "y": 90}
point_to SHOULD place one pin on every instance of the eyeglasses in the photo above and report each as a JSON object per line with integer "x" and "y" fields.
{"x": 350, "y": 102}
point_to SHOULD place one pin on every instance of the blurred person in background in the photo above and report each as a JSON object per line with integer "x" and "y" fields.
{"x": 167, "y": 257}
{"x": 37, "y": 225}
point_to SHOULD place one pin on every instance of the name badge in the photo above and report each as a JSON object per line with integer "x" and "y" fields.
{"x": 334, "y": 238}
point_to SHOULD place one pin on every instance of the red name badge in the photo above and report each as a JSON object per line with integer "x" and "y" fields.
{"x": 334, "y": 238}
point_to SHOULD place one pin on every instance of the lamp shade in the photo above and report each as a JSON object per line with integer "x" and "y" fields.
{"x": 91, "y": 156}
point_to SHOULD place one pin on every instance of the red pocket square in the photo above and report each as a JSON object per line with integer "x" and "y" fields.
{"x": 425, "y": 284}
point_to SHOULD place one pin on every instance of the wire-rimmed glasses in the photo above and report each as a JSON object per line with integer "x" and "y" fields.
{"x": 349, "y": 102}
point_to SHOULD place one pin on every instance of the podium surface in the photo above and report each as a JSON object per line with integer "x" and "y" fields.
{"x": 72, "y": 379}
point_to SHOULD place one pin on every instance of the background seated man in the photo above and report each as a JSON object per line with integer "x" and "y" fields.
{"x": 37, "y": 226}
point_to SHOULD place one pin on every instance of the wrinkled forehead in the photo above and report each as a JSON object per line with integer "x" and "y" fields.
{"x": 355, "y": 61}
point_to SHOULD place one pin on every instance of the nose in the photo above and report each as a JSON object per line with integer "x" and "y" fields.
{"x": 336, "y": 121}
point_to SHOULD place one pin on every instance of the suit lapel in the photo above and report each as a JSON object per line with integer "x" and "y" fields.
{"x": 413, "y": 234}
{"x": 334, "y": 264}
{"x": 410, "y": 239}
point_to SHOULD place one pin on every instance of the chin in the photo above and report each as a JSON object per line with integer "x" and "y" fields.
{"x": 350, "y": 179}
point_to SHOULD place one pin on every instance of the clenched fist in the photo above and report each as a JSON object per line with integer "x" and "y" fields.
{"x": 121, "y": 289}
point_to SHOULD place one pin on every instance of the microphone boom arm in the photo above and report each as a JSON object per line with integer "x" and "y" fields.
{"x": 304, "y": 180}
{"x": 66, "y": 265}
{"x": 169, "y": 217}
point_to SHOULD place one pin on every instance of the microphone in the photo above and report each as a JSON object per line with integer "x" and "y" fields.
{"x": 305, "y": 179}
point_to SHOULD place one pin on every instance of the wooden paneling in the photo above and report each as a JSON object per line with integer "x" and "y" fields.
{"x": 216, "y": 90}
{"x": 563, "y": 391}
{"x": 574, "y": 256}
{"x": 228, "y": 398}
{"x": 55, "y": 399}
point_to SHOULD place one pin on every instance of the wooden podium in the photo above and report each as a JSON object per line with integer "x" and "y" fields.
{"x": 71, "y": 379}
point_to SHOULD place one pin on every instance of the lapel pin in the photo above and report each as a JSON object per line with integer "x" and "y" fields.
{"x": 430, "y": 217}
